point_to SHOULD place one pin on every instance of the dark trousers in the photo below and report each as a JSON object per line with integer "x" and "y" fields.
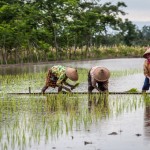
{"x": 100, "y": 84}
{"x": 146, "y": 84}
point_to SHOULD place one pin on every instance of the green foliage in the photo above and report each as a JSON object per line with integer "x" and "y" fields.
{"x": 133, "y": 90}
{"x": 29, "y": 30}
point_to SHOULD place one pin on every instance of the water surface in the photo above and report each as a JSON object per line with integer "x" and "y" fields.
{"x": 72, "y": 122}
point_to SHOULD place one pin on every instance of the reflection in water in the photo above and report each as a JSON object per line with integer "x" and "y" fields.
{"x": 99, "y": 101}
{"x": 27, "y": 122}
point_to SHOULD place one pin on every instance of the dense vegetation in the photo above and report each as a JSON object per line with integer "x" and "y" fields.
{"x": 43, "y": 30}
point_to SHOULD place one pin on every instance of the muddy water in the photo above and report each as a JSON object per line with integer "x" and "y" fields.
{"x": 123, "y": 124}
{"x": 122, "y": 83}
{"x": 111, "y": 64}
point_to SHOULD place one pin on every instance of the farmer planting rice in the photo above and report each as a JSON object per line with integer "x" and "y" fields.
{"x": 146, "y": 71}
{"x": 98, "y": 79}
{"x": 57, "y": 76}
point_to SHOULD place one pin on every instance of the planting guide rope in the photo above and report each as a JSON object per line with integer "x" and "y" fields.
{"x": 79, "y": 93}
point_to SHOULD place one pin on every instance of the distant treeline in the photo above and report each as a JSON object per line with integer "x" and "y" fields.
{"x": 44, "y": 30}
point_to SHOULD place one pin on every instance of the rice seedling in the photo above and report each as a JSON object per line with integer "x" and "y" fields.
{"x": 133, "y": 90}
{"x": 121, "y": 73}
{"x": 22, "y": 82}
{"x": 33, "y": 119}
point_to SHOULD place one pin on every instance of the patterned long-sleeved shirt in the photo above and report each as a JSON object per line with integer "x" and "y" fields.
{"x": 60, "y": 72}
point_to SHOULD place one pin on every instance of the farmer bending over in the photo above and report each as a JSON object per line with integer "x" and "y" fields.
{"x": 146, "y": 71}
{"x": 57, "y": 76}
{"x": 98, "y": 76}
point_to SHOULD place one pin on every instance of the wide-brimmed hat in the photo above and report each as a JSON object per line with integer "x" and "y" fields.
{"x": 147, "y": 52}
{"x": 101, "y": 74}
{"x": 72, "y": 74}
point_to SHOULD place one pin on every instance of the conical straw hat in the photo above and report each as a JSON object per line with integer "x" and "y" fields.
{"x": 101, "y": 74}
{"x": 72, "y": 74}
{"x": 147, "y": 52}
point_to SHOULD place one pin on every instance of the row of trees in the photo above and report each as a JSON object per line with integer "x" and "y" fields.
{"x": 45, "y": 29}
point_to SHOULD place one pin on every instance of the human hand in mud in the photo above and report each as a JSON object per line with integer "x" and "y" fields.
{"x": 74, "y": 86}
{"x": 67, "y": 89}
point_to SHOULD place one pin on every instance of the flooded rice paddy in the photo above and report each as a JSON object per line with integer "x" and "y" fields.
{"x": 81, "y": 121}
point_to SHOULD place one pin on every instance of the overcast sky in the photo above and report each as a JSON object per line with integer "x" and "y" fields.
{"x": 138, "y": 10}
